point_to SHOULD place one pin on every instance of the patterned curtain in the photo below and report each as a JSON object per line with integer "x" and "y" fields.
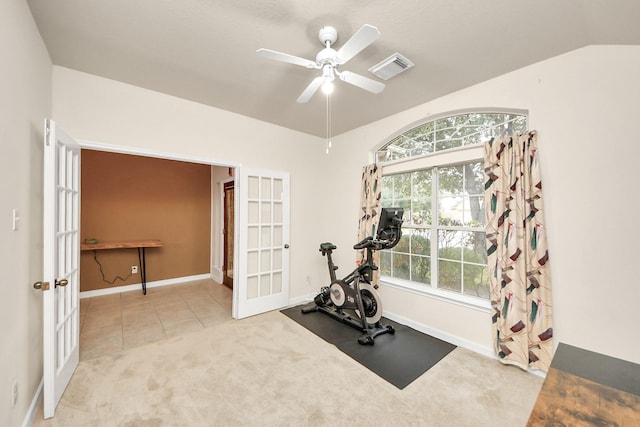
{"x": 370, "y": 203}
{"x": 518, "y": 259}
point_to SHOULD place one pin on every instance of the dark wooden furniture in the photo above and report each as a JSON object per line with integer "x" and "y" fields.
{"x": 140, "y": 245}
{"x": 583, "y": 388}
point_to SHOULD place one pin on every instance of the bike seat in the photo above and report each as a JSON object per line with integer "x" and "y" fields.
{"x": 327, "y": 247}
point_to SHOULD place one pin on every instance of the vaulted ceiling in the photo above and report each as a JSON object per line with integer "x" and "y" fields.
{"x": 205, "y": 50}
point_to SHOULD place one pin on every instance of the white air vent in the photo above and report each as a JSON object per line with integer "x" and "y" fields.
{"x": 392, "y": 66}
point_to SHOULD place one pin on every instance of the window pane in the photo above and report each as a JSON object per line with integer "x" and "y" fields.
{"x": 421, "y": 183}
{"x": 451, "y": 182}
{"x": 400, "y": 266}
{"x": 445, "y": 141}
{"x": 420, "y": 241}
{"x": 476, "y": 282}
{"x": 451, "y": 211}
{"x": 474, "y": 211}
{"x": 450, "y": 244}
{"x": 461, "y": 195}
{"x": 385, "y": 263}
{"x": 403, "y": 244}
{"x": 450, "y": 275}
{"x": 474, "y": 190}
{"x": 475, "y": 247}
{"x": 421, "y": 269}
{"x": 402, "y": 186}
{"x": 387, "y": 188}
{"x": 450, "y": 132}
{"x": 396, "y": 192}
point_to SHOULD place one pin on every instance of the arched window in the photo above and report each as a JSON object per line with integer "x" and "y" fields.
{"x": 435, "y": 171}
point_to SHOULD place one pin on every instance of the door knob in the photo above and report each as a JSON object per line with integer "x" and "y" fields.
{"x": 63, "y": 282}
{"x": 286, "y": 246}
{"x": 41, "y": 285}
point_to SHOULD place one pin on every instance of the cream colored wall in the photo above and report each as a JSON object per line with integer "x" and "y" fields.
{"x": 108, "y": 112}
{"x": 584, "y": 105}
{"x": 579, "y": 102}
{"x": 25, "y": 100}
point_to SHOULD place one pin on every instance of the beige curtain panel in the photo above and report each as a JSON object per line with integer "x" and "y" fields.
{"x": 370, "y": 202}
{"x": 518, "y": 258}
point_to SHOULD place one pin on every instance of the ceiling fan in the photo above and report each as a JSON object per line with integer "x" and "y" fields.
{"x": 329, "y": 60}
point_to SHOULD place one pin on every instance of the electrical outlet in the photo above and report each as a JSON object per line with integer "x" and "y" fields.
{"x": 14, "y": 393}
{"x": 134, "y": 269}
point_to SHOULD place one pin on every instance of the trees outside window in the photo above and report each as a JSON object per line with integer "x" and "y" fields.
{"x": 435, "y": 171}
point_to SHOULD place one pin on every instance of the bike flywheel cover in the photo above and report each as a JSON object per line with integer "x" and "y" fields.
{"x": 373, "y": 305}
{"x": 336, "y": 293}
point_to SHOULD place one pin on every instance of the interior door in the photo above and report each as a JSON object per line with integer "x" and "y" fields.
{"x": 61, "y": 254}
{"x": 228, "y": 234}
{"x": 263, "y": 241}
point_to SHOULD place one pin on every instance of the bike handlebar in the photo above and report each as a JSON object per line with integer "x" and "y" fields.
{"x": 370, "y": 242}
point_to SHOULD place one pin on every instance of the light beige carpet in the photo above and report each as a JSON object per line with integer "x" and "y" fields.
{"x": 269, "y": 371}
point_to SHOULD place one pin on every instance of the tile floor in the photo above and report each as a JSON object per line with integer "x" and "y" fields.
{"x": 113, "y": 323}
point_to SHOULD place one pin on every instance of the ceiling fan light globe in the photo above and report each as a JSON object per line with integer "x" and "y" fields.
{"x": 327, "y": 88}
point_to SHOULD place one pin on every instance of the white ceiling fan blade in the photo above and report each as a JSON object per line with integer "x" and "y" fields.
{"x": 285, "y": 57}
{"x": 366, "y": 35}
{"x": 361, "y": 81}
{"x": 311, "y": 89}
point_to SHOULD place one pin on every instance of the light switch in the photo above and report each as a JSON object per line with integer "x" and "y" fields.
{"x": 14, "y": 219}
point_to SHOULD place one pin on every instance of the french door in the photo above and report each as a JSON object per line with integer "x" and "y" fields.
{"x": 61, "y": 255}
{"x": 263, "y": 242}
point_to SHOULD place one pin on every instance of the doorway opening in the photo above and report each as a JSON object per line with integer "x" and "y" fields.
{"x": 222, "y": 172}
{"x": 180, "y": 304}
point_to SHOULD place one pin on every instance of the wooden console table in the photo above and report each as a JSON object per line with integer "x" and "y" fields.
{"x": 140, "y": 245}
{"x": 584, "y": 388}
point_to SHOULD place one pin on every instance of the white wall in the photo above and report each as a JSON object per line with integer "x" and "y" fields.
{"x": 25, "y": 88}
{"x": 585, "y": 106}
{"x": 109, "y": 112}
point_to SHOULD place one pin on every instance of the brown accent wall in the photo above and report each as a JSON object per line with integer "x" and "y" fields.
{"x": 131, "y": 197}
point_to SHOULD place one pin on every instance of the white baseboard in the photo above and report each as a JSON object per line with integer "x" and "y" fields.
{"x": 301, "y": 300}
{"x": 138, "y": 286}
{"x": 216, "y": 274}
{"x": 445, "y": 336}
{"x": 33, "y": 408}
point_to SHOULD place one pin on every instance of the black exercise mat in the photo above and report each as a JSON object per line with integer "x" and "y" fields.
{"x": 399, "y": 358}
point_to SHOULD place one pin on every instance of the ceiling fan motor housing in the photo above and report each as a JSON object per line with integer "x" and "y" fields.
{"x": 328, "y": 34}
{"x": 327, "y": 56}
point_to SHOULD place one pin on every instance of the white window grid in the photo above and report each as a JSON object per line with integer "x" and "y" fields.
{"x": 419, "y": 148}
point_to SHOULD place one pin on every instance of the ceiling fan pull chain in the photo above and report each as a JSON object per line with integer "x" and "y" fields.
{"x": 328, "y": 124}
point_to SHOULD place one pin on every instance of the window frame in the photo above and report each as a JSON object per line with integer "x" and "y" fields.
{"x": 444, "y": 158}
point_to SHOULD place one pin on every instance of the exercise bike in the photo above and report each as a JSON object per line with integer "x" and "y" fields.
{"x": 355, "y": 292}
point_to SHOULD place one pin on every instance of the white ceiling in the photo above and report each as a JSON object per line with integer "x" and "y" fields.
{"x": 204, "y": 50}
